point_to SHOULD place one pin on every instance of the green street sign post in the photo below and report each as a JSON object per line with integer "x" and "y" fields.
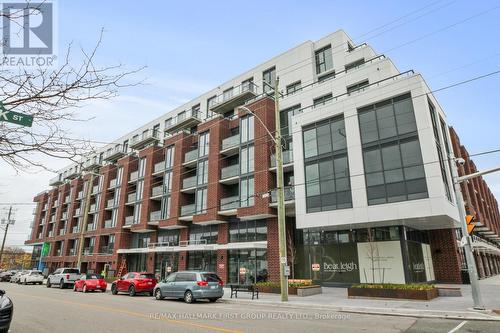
{"x": 15, "y": 117}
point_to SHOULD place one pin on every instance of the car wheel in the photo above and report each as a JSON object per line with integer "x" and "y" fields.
{"x": 48, "y": 283}
{"x": 158, "y": 294}
{"x": 114, "y": 291}
{"x": 188, "y": 297}
{"x": 213, "y": 300}
{"x": 84, "y": 288}
{"x": 131, "y": 291}
{"x": 61, "y": 284}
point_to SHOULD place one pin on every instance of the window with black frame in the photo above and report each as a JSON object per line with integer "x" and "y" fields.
{"x": 247, "y": 231}
{"x": 326, "y": 166}
{"x": 392, "y": 158}
{"x": 202, "y": 233}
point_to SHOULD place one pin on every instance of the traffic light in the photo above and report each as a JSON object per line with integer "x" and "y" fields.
{"x": 469, "y": 219}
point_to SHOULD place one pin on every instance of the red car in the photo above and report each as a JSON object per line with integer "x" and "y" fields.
{"x": 90, "y": 282}
{"x": 133, "y": 283}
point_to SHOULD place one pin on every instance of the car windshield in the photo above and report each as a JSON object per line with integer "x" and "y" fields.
{"x": 210, "y": 277}
{"x": 94, "y": 277}
{"x": 146, "y": 276}
{"x": 71, "y": 271}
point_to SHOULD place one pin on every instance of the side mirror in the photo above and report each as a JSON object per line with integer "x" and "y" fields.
{"x": 2, "y": 292}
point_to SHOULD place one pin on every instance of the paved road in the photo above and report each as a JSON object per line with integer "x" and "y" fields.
{"x": 39, "y": 309}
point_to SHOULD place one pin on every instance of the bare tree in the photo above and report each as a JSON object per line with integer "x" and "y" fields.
{"x": 52, "y": 96}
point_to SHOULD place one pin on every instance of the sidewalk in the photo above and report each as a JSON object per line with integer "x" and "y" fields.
{"x": 336, "y": 299}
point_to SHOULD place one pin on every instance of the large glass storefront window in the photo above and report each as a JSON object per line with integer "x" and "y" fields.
{"x": 247, "y": 231}
{"x": 203, "y": 234}
{"x": 202, "y": 260}
{"x": 247, "y": 266}
{"x": 165, "y": 264}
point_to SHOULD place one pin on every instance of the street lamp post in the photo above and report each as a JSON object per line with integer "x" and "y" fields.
{"x": 279, "y": 189}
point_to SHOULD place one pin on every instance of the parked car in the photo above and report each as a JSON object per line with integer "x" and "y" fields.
{"x": 63, "y": 277}
{"x": 133, "y": 283}
{"x": 90, "y": 282}
{"x": 6, "y": 312}
{"x": 190, "y": 286}
{"x": 5, "y": 276}
{"x": 17, "y": 277}
{"x": 33, "y": 277}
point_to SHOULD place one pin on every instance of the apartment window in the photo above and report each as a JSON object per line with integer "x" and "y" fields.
{"x": 322, "y": 100}
{"x": 269, "y": 77}
{"x": 442, "y": 164}
{"x": 392, "y": 158}
{"x": 168, "y": 236}
{"x": 195, "y": 110}
{"x": 203, "y": 144}
{"x": 246, "y": 128}
{"x": 201, "y": 201}
{"x": 293, "y": 88}
{"x": 324, "y": 60}
{"x": 246, "y": 192}
{"x": 202, "y": 172}
{"x": 247, "y": 231}
{"x": 354, "y": 64}
{"x": 357, "y": 86}
{"x": 203, "y": 233}
{"x": 326, "y": 166}
{"x": 286, "y": 119}
{"x": 167, "y": 182}
{"x": 169, "y": 157}
{"x": 140, "y": 190}
{"x": 142, "y": 167}
{"x": 165, "y": 207}
{"x": 156, "y": 130}
{"x": 227, "y": 94}
{"x": 247, "y": 160}
{"x": 181, "y": 116}
{"x": 210, "y": 103}
{"x": 247, "y": 85}
{"x": 137, "y": 213}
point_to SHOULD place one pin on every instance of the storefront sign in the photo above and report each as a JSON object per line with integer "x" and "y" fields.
{"x": 340, "y": 267}
{"x": 315, "y": 267}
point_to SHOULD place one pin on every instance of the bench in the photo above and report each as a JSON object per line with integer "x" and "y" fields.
{"x": 244, "y": 287}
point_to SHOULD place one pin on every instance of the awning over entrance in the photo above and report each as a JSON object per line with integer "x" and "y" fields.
{"x": 159, "y": 247}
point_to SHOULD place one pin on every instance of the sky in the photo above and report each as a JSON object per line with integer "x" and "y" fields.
{"x": 192, "y": 46}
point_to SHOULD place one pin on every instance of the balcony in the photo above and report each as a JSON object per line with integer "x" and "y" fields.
{"x": 191, "y": 157}
{"x": 129, "y": 220}
{"x": 95, "y": 189}
{"x": 79, "y": 196}
{"x": 106, "y": 249}
{"x": 64, "y": 216}
{"x": 110, "y": 204}
{"x": 287, "y": 160}
{"x": 229, "y": 204}
{"x": 71, "y": 173}
{"x": 230, "y": 174}
{"x": 91, "y": 164}
{"x": 288, "y": 191}
{"x": 133, "y": 176}
{"x": 55, "y": 204}
{"x": 114, "y": 154}
{"x": 157, "y": 192}
{"x": 91, "y": 227}
{"x": 144, "y": 139}
{"x": 78, "y": 212}
{"x": 62, "y": 232}
{"x": 188, "y": 210}
{"x": 184, "y": 120}
{"x": 93, "y": 208}
{"x": 75, "y": 229}
{"x": 72, "y": 251}
{"x": 51, "y": 233}
{"x": 237, "y": 96}
{"x": 112, "y": 183}
{"x": 159, "y": 167}
{"x": 131, "y": 198}
{"x": 67, "y": 199}
{"x": 155, "y": 216}
{"x": 231, "y": 145}
{"x": 88, "y": 251}
{"x": 189, "y": 184}
{"x": 56, "y": 181}
{"x": 108, "y": 224}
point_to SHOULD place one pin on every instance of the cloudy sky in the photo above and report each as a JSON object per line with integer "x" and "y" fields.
{"x": 192, "y": 46}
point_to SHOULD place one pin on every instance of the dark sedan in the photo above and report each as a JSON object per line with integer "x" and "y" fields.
{"x": 6, "y": 312}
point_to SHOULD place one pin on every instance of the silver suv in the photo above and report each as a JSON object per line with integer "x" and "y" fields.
{"x": 190, "y": 286}
{"x": 63, "y": 277}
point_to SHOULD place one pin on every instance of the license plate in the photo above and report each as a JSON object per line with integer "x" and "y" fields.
{"x": 97, "y": 287}
{"x": 150, "y": 282}
{"x": 213, "y": 287}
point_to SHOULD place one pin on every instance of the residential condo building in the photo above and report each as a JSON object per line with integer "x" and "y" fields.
{"x": 368, "y": 188}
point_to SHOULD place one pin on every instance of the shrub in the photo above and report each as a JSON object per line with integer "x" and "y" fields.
{"x": 413, "y": 286}
{"x": 291, "y": 283}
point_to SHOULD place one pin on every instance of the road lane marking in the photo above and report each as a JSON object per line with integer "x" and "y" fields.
{"x": 132, "y": 313}
{"x": 459, "y": 326}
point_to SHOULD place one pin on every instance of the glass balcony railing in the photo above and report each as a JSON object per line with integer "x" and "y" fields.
{"x": 188, "y": 210}
{"x": 51, "y": 233}
{"x": 112, "y": 183}
{"x": 230, "y": 171}
{"x": 230, "y": 203}
{"x": 144, "y": 139}
{"x": 233, "y": 97}
{"x": 133, "y": 176}
{"x": 189, "y": 182}
{"x": 191, "y": 155}
{"x": 157, "y": 191}
{"x": 129, "y": 220}
{"x": 108, "y": 224}
{"x": 184, "y": 120}
{"x": 159, "y": 167}
{"x": 110, "y": 203}
{"x": 93, "y": 208}
{"x": 155, "y": 216}
{"x": 287, "y": 158}
{"x": 107, "y": 249}
{"x": 232, "y": 141}
{"x": 75, "y": 229}
{"x": 91, "y": 227}
{"x": 88, "y": 250}
{"x": 115, "y": 153}
{"x": 132, "y": 197}
{"x": 72, "y": 251}
{"x": 288, "y": 191}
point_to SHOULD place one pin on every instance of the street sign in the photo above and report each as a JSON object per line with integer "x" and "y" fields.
{"x": 315, "y": 267}
{"x": 15, "y": 117}
{"x": 469, "y": 219}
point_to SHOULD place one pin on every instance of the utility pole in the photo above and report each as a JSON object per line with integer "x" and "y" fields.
{"x": 5, "y": 234}
{"x": 86, "y": 209}
{"x": 468, "y": 248}
{"x": 280, "y": 197}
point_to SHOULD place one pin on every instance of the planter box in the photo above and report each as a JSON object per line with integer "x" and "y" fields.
{"x": 299, "y": 291}
{"x": 422, "y": 295}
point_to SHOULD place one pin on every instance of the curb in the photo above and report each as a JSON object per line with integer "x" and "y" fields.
{"x": 459, "y": 315}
